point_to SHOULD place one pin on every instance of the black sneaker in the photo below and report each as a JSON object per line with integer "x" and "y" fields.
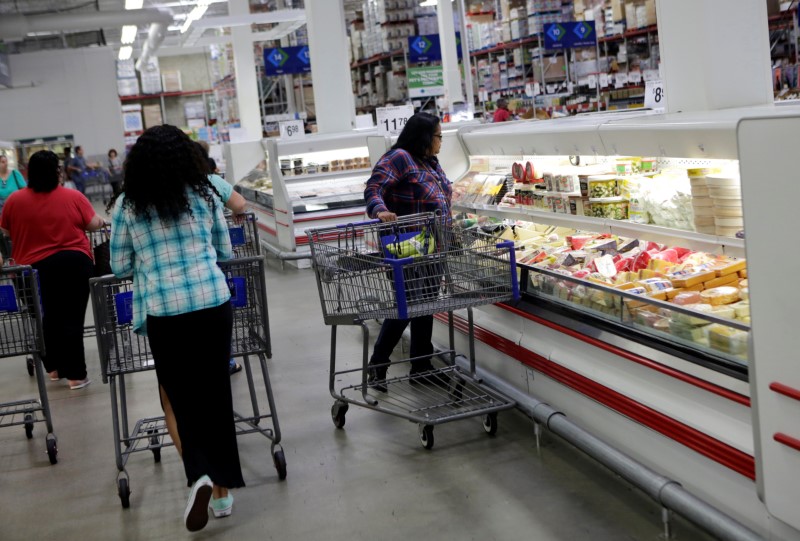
{"x": 376, "y": 379}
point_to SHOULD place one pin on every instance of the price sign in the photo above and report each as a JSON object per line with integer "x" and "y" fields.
{"x": 292, "y": 129}
{"x": 603, "y": 80}
{"x": 392, "y": 120}
{"x": 654, "y": 96}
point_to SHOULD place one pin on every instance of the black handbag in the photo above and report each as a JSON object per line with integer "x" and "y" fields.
{"x": 102, "y": 258}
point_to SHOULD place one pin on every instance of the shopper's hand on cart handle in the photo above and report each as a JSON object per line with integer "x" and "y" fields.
{"x": 387, "y": 216}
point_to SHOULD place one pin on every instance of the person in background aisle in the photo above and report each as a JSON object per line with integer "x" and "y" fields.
{"x": 232, "y": 200}
{"x": 114, "y": 171}
{"x": 502, "y": 113}
{"x": 76, "y": 169}
{"x": 48, "y": 225}
{"x": 168, "y": 229}
{"x": 11, "y": 180}
{"x": 408, "y": 180}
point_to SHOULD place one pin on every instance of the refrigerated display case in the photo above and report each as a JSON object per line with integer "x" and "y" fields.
{"x": 319, "y": 180}
{"x": 706, "y": 390}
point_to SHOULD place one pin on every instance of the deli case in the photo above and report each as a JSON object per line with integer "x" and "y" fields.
{"x": 655, "y": 308}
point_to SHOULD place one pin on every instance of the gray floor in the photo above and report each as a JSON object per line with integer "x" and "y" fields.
{"x": 371, "y": 480}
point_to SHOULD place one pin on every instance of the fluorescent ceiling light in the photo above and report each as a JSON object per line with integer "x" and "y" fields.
{"x": 429, "y": 3}
{"x": 133, "y": 4}
{"x": 125, "y": 52}
{"x": 195, "y": 15}
{"x": 128, "y": 33}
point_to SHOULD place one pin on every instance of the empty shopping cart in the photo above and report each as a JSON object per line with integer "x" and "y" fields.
{"x": 21, "y": 334}
{"x": 416, "y": 266}
{"x": 124, "y": 352}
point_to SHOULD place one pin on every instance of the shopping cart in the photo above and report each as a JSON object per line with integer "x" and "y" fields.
{"x": 243, "y": 230}
{"x": 21, "y": 334}
{"x": 416, "y": 266}
{"x": 244, "y": 234}
{"x": 124, "y": 352}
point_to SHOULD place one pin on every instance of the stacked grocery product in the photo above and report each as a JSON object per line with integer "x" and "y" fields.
{"x": 726, "y": 194}
{"x": 716, "y": 202}
{"x": 710, "y": 285}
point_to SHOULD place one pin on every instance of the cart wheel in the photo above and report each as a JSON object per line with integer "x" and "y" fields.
{"x": 29, "y": 425}
{"x": 30, "y": 366}
{"x": 52, "y": 449}
{"x": 124, "y": 492}
{"x": 490, "y": 423}
{"x": 338, "y": 412}
{"x": 426, "y": 436}
{"x": 279, "y": 459}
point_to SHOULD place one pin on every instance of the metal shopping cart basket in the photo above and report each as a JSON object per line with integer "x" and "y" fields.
{"x": 123, "y": 352}
{"x": 243, "y": 230}
{"x": 21, "y": 334}
{"x": 419, "y": 265}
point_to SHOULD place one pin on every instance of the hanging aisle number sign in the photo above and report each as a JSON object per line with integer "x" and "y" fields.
{"x": 654, "y": 96}
{"x": 292, "y": 129}
{"x": 392, "y": 120}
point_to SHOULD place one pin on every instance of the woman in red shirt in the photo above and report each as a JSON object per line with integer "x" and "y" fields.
{"x": 502, "y": 113}
{"x": 47, "y": 224}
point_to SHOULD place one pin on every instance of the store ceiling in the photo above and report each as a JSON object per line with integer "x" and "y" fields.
{"x": 110, "y": 34}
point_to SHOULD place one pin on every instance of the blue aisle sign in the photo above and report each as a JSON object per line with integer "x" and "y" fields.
{"x": 428, "y": 48}
{"x": 286, "y": 60}
{"x": 568, "y": 35}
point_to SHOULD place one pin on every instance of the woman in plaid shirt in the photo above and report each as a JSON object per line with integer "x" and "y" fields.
{"x": 168, "y": 229}
{"x": 408, "y": 180}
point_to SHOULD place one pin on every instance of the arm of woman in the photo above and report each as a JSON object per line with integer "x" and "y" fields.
{"x": 95, "y": 223}
{"x": 385, "y": 177}
{"x": 121, "y": 242}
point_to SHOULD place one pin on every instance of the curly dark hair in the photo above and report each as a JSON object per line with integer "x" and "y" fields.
{"x": 417, "y": 135}
{"x": 43, "y": 171}
{"x": 157, "y": 171}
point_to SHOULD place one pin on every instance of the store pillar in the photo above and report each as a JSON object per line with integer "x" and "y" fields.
{"x": 447, "y": 38}
{"x": 715, "y": 54}
{"x": 245, "y": 68}
{"x": 333, "y": 88}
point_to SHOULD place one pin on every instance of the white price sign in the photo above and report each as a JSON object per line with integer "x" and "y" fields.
{"x": 654, "y": 96}
{"x": 392, "y": 120}
{"x": 292, "y": 129}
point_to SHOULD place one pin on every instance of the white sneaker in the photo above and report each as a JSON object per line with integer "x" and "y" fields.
{"x": 196, "y": 515}
{"x": 222, "y": 507}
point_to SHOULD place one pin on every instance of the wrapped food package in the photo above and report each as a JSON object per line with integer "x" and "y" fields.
{"x": 720, "y": 295}
{"x": 727, "y": 339}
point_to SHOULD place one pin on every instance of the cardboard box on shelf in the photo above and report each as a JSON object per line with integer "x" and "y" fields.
{"x": 640, "y": 13}
{"x": 617, "y": 9}
{"x": 152, "y": 115}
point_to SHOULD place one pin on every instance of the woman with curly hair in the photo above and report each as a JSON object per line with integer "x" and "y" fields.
{"x": 168, "y": 229}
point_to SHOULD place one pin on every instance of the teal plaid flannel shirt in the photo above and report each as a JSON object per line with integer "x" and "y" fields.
{"x": 174, "y": 263}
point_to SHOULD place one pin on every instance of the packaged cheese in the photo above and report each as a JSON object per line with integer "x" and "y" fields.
{"x": 687, "y": 297}
{"x": 744, "y": 293}
{"x": 742, "y": 309}
{"x": 689, "y": 279}
{"x": 688, "y": 332}
{"x": 730, "y": 267}
{"x": 727, "y": 339}
{"x": 722, "y": 281}
{"x": 720, "y": 295}
{"x": 686, "y": 319}
{"x": 655, "y": 284}
{"x": 724, "y": 310}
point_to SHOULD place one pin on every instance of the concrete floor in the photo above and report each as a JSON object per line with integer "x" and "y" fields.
{"x": 371, "y": 480}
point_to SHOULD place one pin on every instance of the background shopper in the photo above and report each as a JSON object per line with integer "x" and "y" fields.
{"x": 114, "y": 171}
{"x": 408, "y": 180}
{"x": 47, "y": 224}
{"x": 168, "y": 229}
{"x": 11, "y": 180}
{"x": 502, "y": 113}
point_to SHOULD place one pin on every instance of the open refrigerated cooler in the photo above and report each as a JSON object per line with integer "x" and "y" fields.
{"x": 651, "y": 314}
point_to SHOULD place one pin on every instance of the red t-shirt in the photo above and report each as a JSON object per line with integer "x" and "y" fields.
{"x": 501, "y": 115}
{"x": 41, "y": 224}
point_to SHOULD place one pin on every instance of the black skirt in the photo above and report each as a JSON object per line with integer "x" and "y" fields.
{"x": 191, "y": 353}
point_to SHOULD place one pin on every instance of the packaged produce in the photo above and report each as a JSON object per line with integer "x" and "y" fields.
{"x": 720, "y": 295}
{"x": 567, "y": 183}
{"x": 603, "y": 186}
{"x": 649, "y": 165}
{"x": 579, "y": 205}
{"x": 629, "y": 166}
{"x": 615, "y": 208}
{"x": 584, "y": 185}
{"x": 549, "y": 181}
